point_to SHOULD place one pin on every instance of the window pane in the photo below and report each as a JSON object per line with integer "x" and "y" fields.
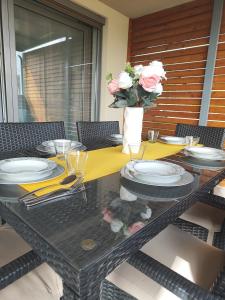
{"x": 54, "y": 69}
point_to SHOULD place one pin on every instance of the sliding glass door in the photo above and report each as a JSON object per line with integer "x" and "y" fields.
{"x": 56, "y": 66}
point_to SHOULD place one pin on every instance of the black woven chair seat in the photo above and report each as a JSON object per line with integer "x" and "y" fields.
{"x": 209, "y": 136}
{"x": 93, "y": 134}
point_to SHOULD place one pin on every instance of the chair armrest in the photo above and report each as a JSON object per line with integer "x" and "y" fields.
{"x": 192, "y": 228}
{"x": 18, "y": 268}
{"x": 212, "y": 200}
{"x": 169, "y": 279}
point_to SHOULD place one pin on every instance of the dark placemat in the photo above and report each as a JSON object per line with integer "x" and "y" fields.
{"x": 201, "y": 163}
{"x": 160, "y": 192}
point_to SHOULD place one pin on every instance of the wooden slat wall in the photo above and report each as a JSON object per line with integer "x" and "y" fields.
{"x": 217, "y": 104}
{"x": 178, "y": 37}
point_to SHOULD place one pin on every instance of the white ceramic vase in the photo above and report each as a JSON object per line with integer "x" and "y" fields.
{"x": 132, "y": 129}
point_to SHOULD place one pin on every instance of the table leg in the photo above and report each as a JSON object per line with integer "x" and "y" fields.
{"x": 68, "y": 294}
{"x": 90, "y": 291}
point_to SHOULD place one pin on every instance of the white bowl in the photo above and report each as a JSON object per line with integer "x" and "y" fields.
{"x": 49, "y": 147}
{"x": 157, "y": 171}
{"x": 174, "y": 140}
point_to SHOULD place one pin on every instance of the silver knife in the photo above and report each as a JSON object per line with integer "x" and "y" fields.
{"x": 58, "y": 193}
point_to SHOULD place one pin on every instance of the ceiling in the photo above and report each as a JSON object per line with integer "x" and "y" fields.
{"x": 138, "y": 8}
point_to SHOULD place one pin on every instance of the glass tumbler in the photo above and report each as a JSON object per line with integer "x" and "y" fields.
{"x": 62, "y": 147}
{"x": 192, "y": 140}
{"x": 153, "y": 136}
{"x": 137, "y": 151}
{"x": 77, "y": 161}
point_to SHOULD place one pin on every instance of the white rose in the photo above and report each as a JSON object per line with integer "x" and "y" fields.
{"x": 157, "y": 68}
{"x": 138, "y": 70}
{"x": 158, "y": 89}
{"x": 147, "y": 71}
{"x": 116, "y": 225}
{"x": 147, "y": 214}
{"x": 124, "y": 80}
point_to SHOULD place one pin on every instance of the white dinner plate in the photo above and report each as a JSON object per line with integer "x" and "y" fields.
{"x": 173, "y": 140}
{"x": 205, "y": 153}
{"x": 26, "y": 168}
{"x": 54, "y": 174}
{"x": 50, "y": 144}
{"x": 184, "y": 179}
{"x": 51, "y": 149}
{"x": 155, "y": 171}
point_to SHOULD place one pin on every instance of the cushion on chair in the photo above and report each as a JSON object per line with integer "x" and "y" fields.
{"x": 206, "y": 216}
{"x": 11, "y": 245}
{"x": 219, "y": 190}
{"x": 40, "y": 284}
{"x": 181, "y": 252}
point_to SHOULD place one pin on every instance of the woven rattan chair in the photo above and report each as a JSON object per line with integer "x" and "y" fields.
{"x": 207, "y": 217}
{"x": 209, "y": 136}
{"x": 173, "y": 264}
{"x": 18, "y": 136}
{"x": 93, "y": 134}
{"x": 13, "y": 137}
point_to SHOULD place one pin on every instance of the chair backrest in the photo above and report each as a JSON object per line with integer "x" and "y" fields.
{"x": 93, "y": 133}
{"x": 209, "y": 136}
{"x": 18, "y": 136}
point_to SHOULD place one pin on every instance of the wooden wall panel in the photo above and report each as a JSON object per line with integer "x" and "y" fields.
{"x": 179, "y": 37}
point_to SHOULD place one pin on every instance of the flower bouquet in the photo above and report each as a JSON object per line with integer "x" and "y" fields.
{"x": 136, "y": 89}
{"x": 137, "y": 86}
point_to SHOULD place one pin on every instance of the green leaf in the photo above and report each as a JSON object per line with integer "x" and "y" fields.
{"x": 129, "y": 69}
{"x": 132, "y": 97}
{"x": 121, "y": 94}
{"x": 109, "y": 77}
{"x": 118, "y": 103}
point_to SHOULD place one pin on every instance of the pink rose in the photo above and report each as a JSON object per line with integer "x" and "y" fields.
{"x": 149, "y": 83}
{"x": 113, "y": 86}
{"x": 135, "y": 227}
{"x": 107, "y": 215}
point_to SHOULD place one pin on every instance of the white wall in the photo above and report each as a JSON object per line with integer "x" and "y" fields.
{"x": 114, "y": 51}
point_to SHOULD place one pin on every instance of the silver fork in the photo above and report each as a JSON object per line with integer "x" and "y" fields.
{"x": 55, "y": 194}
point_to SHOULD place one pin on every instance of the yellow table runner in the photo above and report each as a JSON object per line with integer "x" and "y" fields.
{"x": 106, "y": 161}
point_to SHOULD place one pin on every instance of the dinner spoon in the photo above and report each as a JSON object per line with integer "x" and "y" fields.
{"x": 68, "y": 179}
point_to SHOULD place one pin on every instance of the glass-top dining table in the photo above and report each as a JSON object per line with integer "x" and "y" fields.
{"x": 85, "y": 236}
